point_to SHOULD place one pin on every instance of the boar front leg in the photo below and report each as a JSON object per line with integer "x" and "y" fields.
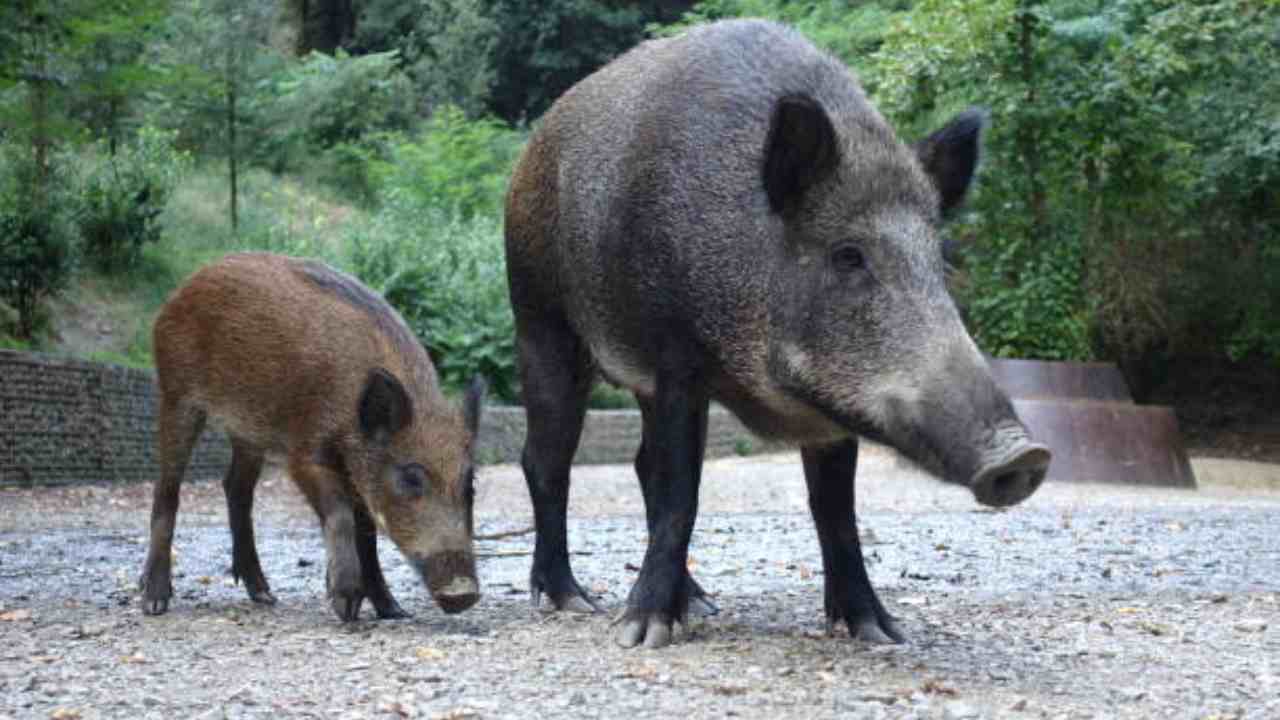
{"x": 699, "y": 602}
{"x": 330, "y": 497}
{"x": 676, "y": 422}
{"x": 829, "y": 472}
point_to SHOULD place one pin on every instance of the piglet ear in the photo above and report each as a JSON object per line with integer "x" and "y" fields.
{"x": 385, "y": 406}
{"x": 800, "y": 151}
{"x": 950, "y": 156}
{"x": 473, "y": 402}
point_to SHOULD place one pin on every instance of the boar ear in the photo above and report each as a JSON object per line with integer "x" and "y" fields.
{"x": 800, "y": 150}
{"x": 472, "y": 403}
{"x": 950, "y": 156}
{"x": 385, "y": 406}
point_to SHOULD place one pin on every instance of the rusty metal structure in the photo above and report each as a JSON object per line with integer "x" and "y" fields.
{"x": 1084, "y": 412}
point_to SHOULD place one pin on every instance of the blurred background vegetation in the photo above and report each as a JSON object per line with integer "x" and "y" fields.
{"x": 1128, "y": 208}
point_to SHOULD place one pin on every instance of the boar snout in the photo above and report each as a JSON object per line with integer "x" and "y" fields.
{"x": 1010, "y": 471}
{"x": 451, "y": 579}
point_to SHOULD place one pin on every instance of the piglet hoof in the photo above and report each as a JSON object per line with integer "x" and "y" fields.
{"x": 155, "y": 606}
{"x": 346, "y": 607}
{"x": 345, "y": 592}
{"x": 391, "y": 610}
{"x": 652, "y": 629}
{"x": 156, "y": 590}
{"x": 262, "y": 596}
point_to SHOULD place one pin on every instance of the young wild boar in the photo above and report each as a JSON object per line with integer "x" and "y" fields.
{"x": 302, "y": 362}
{"x": 723, "y": 216}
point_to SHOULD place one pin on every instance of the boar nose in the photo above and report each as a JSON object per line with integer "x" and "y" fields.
{"x": 1013, "y": 477}
{"x": 460, "y": 594}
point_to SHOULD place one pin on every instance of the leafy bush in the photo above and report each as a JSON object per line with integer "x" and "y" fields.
{"x": 447, "y": 277}
{"x": 39, "y": 246}
{"x": 307, "y": 108}
{"x": 124, "y": 194}
{"x": 454, "y": 164}
{"x": 1023, "y": 302}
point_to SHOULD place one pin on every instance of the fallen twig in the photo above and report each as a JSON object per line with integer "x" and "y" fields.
{"x": 521, "y": 553}
{"x": 506, "y": 534}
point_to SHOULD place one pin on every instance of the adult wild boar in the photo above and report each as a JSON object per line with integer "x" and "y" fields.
{"x": 297, "y": 360}
{"x": 723, "y": 216}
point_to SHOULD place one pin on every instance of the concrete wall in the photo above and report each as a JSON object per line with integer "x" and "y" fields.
{"x": 70, "y": 421}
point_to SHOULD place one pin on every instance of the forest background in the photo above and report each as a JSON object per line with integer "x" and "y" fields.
{"x": 1127, "y": 209}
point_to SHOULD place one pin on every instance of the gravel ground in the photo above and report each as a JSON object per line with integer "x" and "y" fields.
{"x": 1086, "y": 601}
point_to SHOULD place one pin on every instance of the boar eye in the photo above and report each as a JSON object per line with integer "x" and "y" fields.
{"x": 411, "y": 481}
{"x": 847, "y": 258}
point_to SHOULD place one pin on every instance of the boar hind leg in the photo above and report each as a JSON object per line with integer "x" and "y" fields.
{"x": 699, "y": 602}
{"x": 238, "y": 484}
{"x": 675, "y": 430}
{"x": 829, "y": 472}
{"x": 328, "y": 495}
{"x": 180, "y": 427}
{"x": 375, "y": 585}
{"x": 556, "y": 376}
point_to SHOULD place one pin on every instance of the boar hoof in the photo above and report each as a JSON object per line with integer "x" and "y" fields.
{"x": 651, "y": 629}
{"x": 569, "y": 597}
{"x": 700, "y": 604}
{"x": 874, "y": 631}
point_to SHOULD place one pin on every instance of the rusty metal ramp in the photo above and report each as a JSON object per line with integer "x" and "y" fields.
{"x": 1085, "y": 414}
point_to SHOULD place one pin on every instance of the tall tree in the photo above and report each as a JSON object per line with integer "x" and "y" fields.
{"x": 214, "y": 56}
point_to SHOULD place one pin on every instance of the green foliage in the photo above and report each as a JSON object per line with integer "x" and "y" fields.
{"x": 849, "y": 30}
{"x": 1116, "y": 126}
{"x": 453, "y": 164}
{"x": 447, "y": 47}
{"x": 1022, "y": 304}
{"x": 325, "y": 102}
{"x": 213, "y": 59}
{"x": 607, "y": 397}
{"x": 447, "y": 277}
{"x": 39, "y": 246}
{"x": 548, "y": 46}
{"x": 123, "y": 195}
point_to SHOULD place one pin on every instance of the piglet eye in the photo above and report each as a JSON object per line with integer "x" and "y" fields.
{"x": 411, "y": 480}
{"x": 847, "y": 258}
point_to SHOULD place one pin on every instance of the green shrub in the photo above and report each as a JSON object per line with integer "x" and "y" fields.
{"x": 1027, "y": 302}
{"x": 325, "y": 101}
{"x": 607, "y": 397}
{"x": 124, "y": 194}
{"x": 39, "y": 246}
{"x": 453, "y": 164}
{"x": 447, "y": 277}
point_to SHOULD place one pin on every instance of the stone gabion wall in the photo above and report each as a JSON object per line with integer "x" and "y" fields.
{"x": 70, "y": 421}
{"x": 610, "y": 436}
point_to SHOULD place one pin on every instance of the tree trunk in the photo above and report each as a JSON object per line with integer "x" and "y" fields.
{"x": 232, "y": 157}
{"x": 230, "y": 72}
